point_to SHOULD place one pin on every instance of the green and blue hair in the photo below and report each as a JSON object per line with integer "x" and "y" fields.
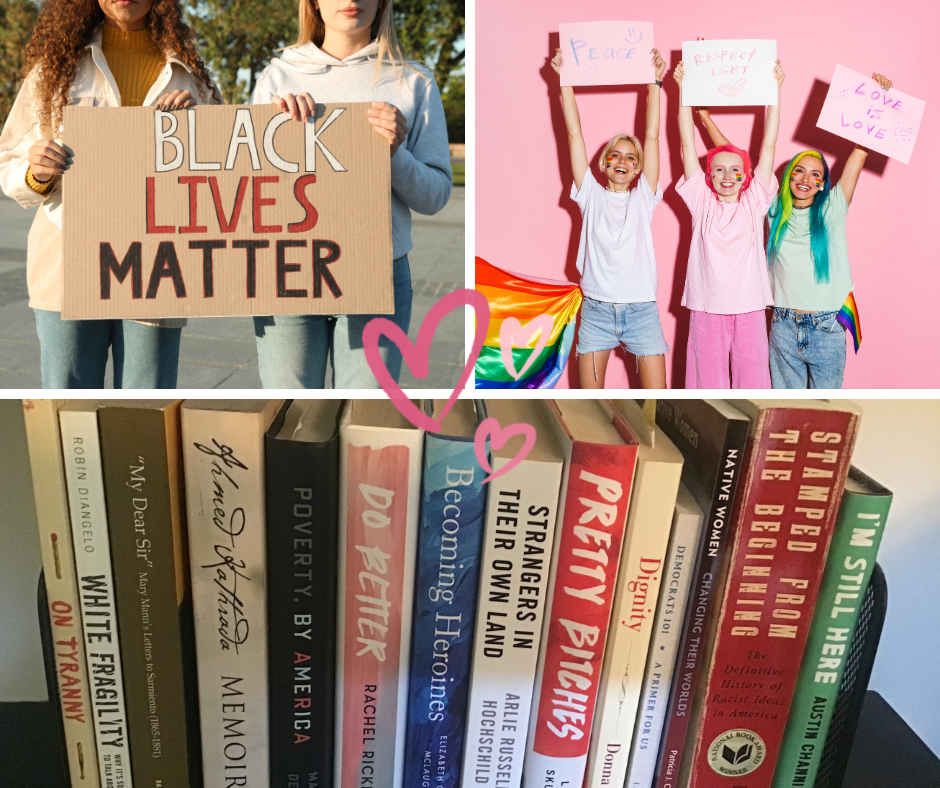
{"x": 780, "y": 213}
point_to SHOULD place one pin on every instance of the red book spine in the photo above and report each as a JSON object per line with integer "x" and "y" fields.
{"x": 591, "y": 537}
{"x": 787, "y": 509}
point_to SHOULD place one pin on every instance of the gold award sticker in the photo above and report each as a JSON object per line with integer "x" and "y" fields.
{"x": 736, "y": 753}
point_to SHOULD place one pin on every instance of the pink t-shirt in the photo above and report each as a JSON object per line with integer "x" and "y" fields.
{"x": 727, "y": 272}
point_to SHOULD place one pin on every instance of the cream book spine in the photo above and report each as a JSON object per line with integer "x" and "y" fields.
{"x": 43, "y": 436}
{"x": 81, "y": 451}
{"x": 661, "y": 665}
{"x": 223, "y": 459}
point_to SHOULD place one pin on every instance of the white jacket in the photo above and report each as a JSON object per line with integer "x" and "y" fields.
{"x": 93, "y": 86}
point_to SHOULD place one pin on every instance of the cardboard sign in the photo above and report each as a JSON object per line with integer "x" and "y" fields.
{"x": 226, "y": 211}
{"x": 736, "y": 73}
{"x": 857, "y": 109}
{"x": 607, "y": 53}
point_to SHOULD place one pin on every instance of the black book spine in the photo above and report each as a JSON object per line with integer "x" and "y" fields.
{"x": 705, "y": 580}
{"x": 301, "y": 541}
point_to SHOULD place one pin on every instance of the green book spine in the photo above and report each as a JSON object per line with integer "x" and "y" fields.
{"x": 849, "y": 565}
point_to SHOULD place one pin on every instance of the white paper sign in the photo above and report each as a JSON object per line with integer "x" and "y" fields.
{"x": 737, "y": 73}
{"x": 857, "y": 109}
{"x": 606, "y": 53}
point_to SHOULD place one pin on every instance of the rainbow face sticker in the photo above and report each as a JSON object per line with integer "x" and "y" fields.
{"x": 818, "y": 183}
{"x": 738, "y": 177}
{"x": 609, "y": 160}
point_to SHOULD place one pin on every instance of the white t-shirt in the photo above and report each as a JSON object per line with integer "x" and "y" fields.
{"x": 615, "y": 257}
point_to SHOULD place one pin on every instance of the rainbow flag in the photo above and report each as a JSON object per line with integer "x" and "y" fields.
{"x": 553, "y": 304}
{"x": 848, "y": 317}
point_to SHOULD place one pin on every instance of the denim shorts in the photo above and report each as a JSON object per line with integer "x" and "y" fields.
{"x": 636, "y": 326}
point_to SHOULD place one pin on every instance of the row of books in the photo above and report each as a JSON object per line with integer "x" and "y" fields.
{"x": 318, "y": 593}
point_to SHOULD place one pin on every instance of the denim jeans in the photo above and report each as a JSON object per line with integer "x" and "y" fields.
{"x": 74, "y": 353}
{"x": 807, "y": 349}
{"x": 293, "y": 349}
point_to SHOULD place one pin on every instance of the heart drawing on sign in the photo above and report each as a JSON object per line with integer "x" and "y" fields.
{"x": 732, "y": 91}
{"x": 417, "y": 356}
{"x": 513, "y": 334}
{"x": 498, "y": 436}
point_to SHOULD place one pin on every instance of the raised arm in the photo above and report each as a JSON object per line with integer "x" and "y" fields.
{"x": 686, "y": 128}
{"x": 718, "y": 139}
{"x": 579, "y": 159}
{"x": 765, "y": 164}
{"x": 651, "y": 141}
{"x": 856, "y": 159}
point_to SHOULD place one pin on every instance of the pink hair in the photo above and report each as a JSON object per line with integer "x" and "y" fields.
{"x": 748, "y": 173}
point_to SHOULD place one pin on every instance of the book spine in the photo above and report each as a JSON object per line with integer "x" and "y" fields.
{"x": 521, "y": 512}
{"x": 224, "y": 466}
{"x": 380, "y": 487}
{"x": 788, "y": 504}
{"x": 701, "y": 608}
{"x": 82, "y": 453}
{"x": 641, "y": 569}
{"x": 595, "y": 512}
{"x": 55, "y": 537}
{"x": 140, "y": 526}
{"x": 446, "y": 584}
{"x": 302, "y": 489}
{"x": 661, "y": 665}
{"x": 849, "y": 566}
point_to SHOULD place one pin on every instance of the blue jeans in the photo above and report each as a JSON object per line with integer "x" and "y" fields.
{"x": 605, "y": 325}
{"x": 74, "y": 353}
{"x": 293, "y": 349}
{"x": 806, "y": 350}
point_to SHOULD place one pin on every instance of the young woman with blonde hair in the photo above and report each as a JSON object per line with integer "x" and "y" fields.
{"x": 347, "y": 51}
{"x": 615, "y": 257}
{"x": 107, "y": 53}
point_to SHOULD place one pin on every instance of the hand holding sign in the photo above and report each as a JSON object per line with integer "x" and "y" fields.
{"x": 606, "y": 53}
{"x": 862, "y": 110}
{"x": 730, "y": 73}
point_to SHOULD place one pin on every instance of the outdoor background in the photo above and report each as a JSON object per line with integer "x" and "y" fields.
{"x": 526, "y": 222}
{"x": 237, "y": 39}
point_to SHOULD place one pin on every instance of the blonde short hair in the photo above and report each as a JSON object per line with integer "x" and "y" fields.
{"x": 602, "y": 161}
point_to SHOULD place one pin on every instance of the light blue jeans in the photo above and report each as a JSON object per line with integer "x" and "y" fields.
{"x": 807, "y": 350}
{"x": 74, "y": 353}
{"x": 293, "y": 349}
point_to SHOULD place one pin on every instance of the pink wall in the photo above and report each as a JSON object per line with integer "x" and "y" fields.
{"x": 525, "y": 221}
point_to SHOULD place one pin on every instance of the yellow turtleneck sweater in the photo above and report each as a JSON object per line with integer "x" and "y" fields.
{"x": 135, "y": 62}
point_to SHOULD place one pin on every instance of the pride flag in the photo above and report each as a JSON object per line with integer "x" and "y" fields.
{"x": 554, "y": 305}
{"x": 848, "y": 317}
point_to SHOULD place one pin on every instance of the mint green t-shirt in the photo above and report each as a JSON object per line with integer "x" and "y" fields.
{"x": 791, "y": 275}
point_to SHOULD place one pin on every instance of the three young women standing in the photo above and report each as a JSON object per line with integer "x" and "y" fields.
{"x": 348, "y": 51}
{"x": 101, "y": 53}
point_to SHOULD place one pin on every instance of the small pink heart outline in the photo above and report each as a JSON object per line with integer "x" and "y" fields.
{"x": 416, "y": 355}
{"x": 732, "y": 91}
{"x": 513, "y": 333}
{"x": 498, "y": 436}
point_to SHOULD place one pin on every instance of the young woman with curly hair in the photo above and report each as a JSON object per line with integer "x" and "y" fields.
{"x": 347, "y": 50}
{"x": 107, "y": 53}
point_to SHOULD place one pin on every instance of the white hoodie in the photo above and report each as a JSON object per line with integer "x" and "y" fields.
{"x": 421, "y": 175}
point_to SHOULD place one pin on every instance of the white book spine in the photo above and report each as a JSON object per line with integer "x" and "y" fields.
{"x": 223, "y": 455}
{"x": 521, "y": 514}
{"x": 380, "y": 492}
{"x": 631, "y": 625}
{"x": 82, "y": 454}
{"x": 661, "y": 666}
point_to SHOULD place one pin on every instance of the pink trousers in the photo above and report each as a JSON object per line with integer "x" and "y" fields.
{"x": 713, "y": 339}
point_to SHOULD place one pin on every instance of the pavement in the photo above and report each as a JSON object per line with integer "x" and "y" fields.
{"x": 220, "y": 352}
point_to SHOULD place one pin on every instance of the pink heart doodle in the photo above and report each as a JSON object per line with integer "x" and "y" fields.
{"x": 732, "y": 91}
{"x": 416, "y": 356}
{"x": 498, "y": 436}
{"x": 512, "y": 333}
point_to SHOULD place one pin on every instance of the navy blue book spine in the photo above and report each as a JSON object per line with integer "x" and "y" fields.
{"x": 450, "y": 541}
